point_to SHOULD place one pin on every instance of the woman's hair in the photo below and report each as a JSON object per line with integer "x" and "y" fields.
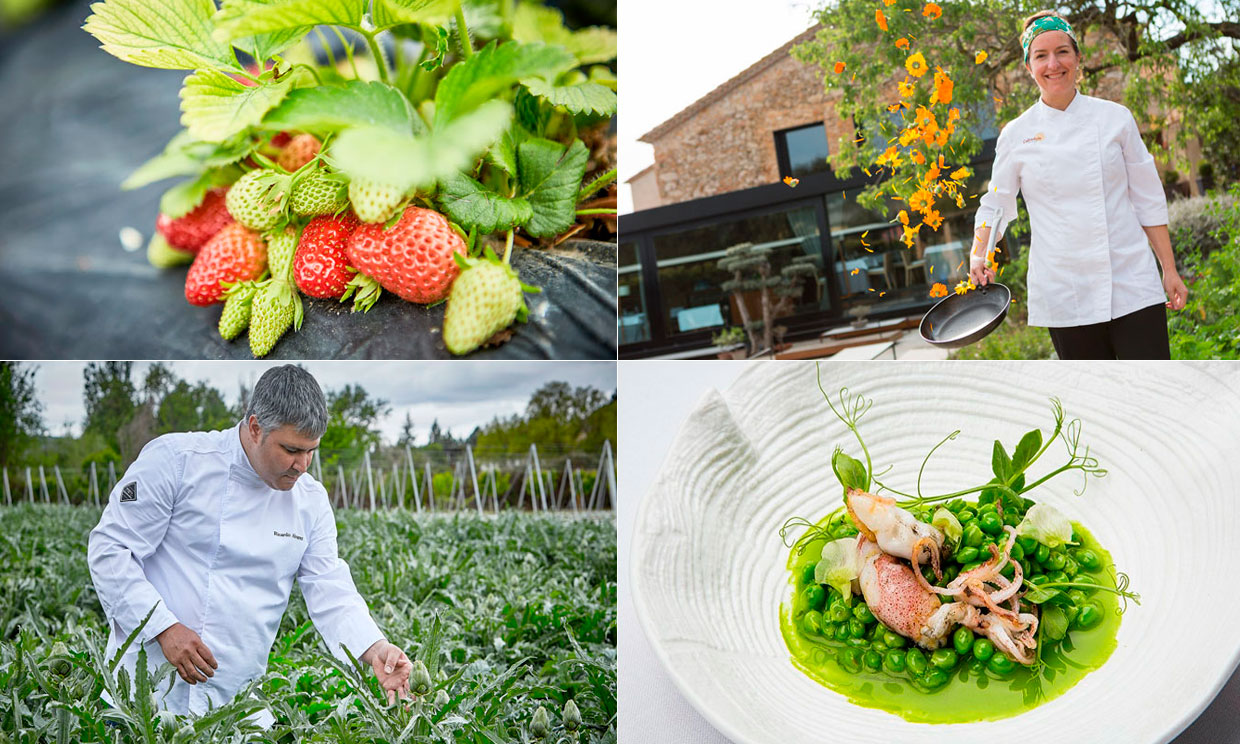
{"x": 289, "y": 395}
{"x": 1043, "y": 14}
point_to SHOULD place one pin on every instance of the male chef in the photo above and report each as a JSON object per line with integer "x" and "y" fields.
{"x": 209, "y": 529}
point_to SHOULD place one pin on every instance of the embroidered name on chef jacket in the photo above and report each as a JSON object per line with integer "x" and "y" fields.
{"x": 293, "y": 535}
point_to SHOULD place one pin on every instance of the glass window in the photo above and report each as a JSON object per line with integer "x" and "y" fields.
{"x": 802, "y": 150}
{"x": 634, "y": 324}
{"x": 873, "y": 267}
{"x": 691, "y": 280}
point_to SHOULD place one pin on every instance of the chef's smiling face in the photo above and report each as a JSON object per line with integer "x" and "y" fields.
{"x": 1053, "y": 63}
{"x": 279, "y": 456}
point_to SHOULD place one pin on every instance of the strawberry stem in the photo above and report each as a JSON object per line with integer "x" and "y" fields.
{"x": 376, "y": 51}
{"x": 508, "y": 247}
{"x": 583, "y": 212}
{"x": 467, "y": 48}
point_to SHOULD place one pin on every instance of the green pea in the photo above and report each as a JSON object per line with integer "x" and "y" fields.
{"x": 967, "y": 515}
{"x": 876, "y": 631}
{"x": 894, "y": 661}
{"x": 963, "y": 640}
{"x": 880, "y": 647}
{"x": 1042, "y": 554}
{"x": 1000, "y": 664}
{"x": 916, "y": 661}
{"x": 1057, "y": 577}
{"x": 839, "y": 612}
{"x": 832, "y": 630}
{"x": 1056, "y": 561}
{"x": 850, "y": 659}
{"x": 1027, "y": 544}
{"x": 873, "y": 660}
{"x": 856, "y": 628}
{"x": 966, "y": 555}
{"x": 862, "y": 613}
{"x": 815, "y": 596}
{"x": 811, "y": 622}
{"x": 893, "y": 639}
{"x": 1088, "y": 559}
{"x": 1088, "y": 617}
{"x": 1008, "y": 571}
{"x": 944, "y": 658}
{"x": 1018, "y": 553}
{"x": 858, "y": 643}
{"x": 1011, "y": 518}
{"x": 934, "y": 679}
{"x": 951, "y": 572}
{"x": 972, "y": 535}
{"x": 990, "y": 523}
{"x": 807, "y": 573}
{"x": 970, "y": 566}
{"x": 983, "y": 649}
{"x": 1036, "y": 578}
{"x": 1078, "y": 597}
{"x": 1071, "y": 568}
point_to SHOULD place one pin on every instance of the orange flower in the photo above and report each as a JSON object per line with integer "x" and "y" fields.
{"x": 938, "y": 290}
{"x": 929, "y": 134}
{"x": 907, "y": 89}
{"x": 918, "y": 157}
{"x": 921, "y": 201}
{"x": 791, "y": 181}
{"x": 932, "y": 11}
{"x": 890, "y": 157}
{"x": 980, "y": 58}
{"x": 902, "y": 43}
{"x": 880, "y": 19}
{"x": 953, "y": 115}
{"x": 933, "y": 219}
{"x": 960, "y": 174}
{"x": 889, "y": 3}
{"x": 941, "y": 140}
{"x": 963, "y": 287}
{"x": 916, "y": 65}
{"x": 893, "y": 107}
{"x": 910, "y": 234}
{"x": 909, "y": 136}
{"x": 903, "y": 217}
{"x": 942, "y": 87}
{"x": 839, "y": 67}
{"x": 925, "y": 117}
{"x": 932, "y": 174}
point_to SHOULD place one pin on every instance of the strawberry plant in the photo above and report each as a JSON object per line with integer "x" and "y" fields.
{"x": 504, "y": 617}
{"x": 483, "y": 113}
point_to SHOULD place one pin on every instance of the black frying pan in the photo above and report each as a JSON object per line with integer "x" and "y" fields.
{"x": 961, "y": 319}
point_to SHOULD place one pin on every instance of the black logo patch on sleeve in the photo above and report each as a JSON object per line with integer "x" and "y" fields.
{"x": 129, "y": 492}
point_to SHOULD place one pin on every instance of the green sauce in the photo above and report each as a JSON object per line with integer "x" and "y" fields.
{"x": 968, "y": 696}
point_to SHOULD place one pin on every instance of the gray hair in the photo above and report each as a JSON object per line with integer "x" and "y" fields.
{"x": 289, "y": 396}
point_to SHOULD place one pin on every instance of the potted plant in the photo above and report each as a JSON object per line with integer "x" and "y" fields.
{"x": 731, "y": 342}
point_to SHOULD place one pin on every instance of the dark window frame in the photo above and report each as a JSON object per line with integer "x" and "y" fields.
{"x": 781, "y": 148}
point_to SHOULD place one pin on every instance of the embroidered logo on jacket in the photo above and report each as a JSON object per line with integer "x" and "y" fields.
{"x": 130, "y": 492}
{"x": 293, "y": 535}
{"x": 1035, "y": 138}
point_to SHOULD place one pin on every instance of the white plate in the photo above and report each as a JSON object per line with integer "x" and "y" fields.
{"x": 708, "y": 563}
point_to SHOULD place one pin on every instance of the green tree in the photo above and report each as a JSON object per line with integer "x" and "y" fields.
{"x": 199, "y": 407}
{"x": 21, "y": 413}
{"x": 1169, "y": 54}
{"x": 110, "y": 398}
{"x": 352, "y": 424}
{"x": 406, "y": 433}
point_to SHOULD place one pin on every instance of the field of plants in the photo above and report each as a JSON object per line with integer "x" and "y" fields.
{"x": 513, "y": 616}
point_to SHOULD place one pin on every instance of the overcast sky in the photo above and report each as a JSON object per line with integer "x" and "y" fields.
{"x": 460, "y": 394}
{"x": 673, "y": 53}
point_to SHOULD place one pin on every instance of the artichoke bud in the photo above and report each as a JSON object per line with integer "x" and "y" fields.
{"x": 60, "y": 659}
{"x": 441, "y": 699}
{"x": 572, "y": 716}
{"x": 419, "y": 679}
{"x": 540, "y": 723}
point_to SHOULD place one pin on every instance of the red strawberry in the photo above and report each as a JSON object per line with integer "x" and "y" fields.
{"x": 321, "y": 267}
{"x": 235, "y": 254}
{"x": 192, "y": 231}
{"x": 299, "y": 151}
{"x": 280, "y": 139}
{"x": 413, "y": 259}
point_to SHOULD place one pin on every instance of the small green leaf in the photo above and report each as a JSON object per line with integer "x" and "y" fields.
{"x": 550, "y": 175}
{"x": 581, "y": 98}
{"x": 388, "y": 13}
{"x": 491, "y": 72}
{"x": 1000, "y": 463}
{"x": 265, "y": 46}
{"x": 535, "y": 23}
{"x": 1025, "y": 450}
{"x": 169, "y": 34}
{"x": 850, "y": 472}
{"x": 186, "y": 156}
{"x": 183, "y": 198}
{"x": 1054, "y": 622}
{"x": 333, "y": 107}
{"x": 1038, "y": 595}
{"x": 384, "y": 156}
{"x": 215, "y": 107}
{"x": 504, "y": 152}
{"x": 468, "y": 202}
{"x": 241, "y": 18}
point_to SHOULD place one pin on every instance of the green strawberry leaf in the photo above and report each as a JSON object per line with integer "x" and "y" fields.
{"x": 582, "y": 98}
{"x": 169, "y": 34}
{"x": 186, "y": 156}
{"x": 241, "y": 18}
{"x": 550, "y": 175}
{"x": 215, "y": 107}
{"x": 381, "y": 155}
{"x": 388, "y": 13}
{"x": 333, "y": 107}
{"x": 504, "y": 152}
{"x": 183, "y": 198}
{"x": 265, "y": 46}
{"x": 468, "y": 202}
{"x": 588, "y": 45}
{"x": 491, "y": 72}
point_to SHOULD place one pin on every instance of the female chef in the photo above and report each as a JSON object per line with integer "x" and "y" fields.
{"x": 1095, "y": 205}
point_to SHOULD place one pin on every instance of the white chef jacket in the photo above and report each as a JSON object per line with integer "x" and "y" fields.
{"x": 192, "y": 527}
{"x": 1089, "y": 185}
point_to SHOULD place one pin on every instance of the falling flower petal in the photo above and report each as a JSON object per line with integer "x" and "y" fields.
{"x": 960, "y": 174}
{"x": 791, "y": 181}
{"x": 856, "y": 271}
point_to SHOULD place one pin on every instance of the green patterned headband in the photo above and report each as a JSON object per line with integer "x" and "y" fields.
{"x": 1043, "y": 24}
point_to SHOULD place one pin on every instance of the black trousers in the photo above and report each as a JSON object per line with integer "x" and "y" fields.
{"x": 1137, "y": 335}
